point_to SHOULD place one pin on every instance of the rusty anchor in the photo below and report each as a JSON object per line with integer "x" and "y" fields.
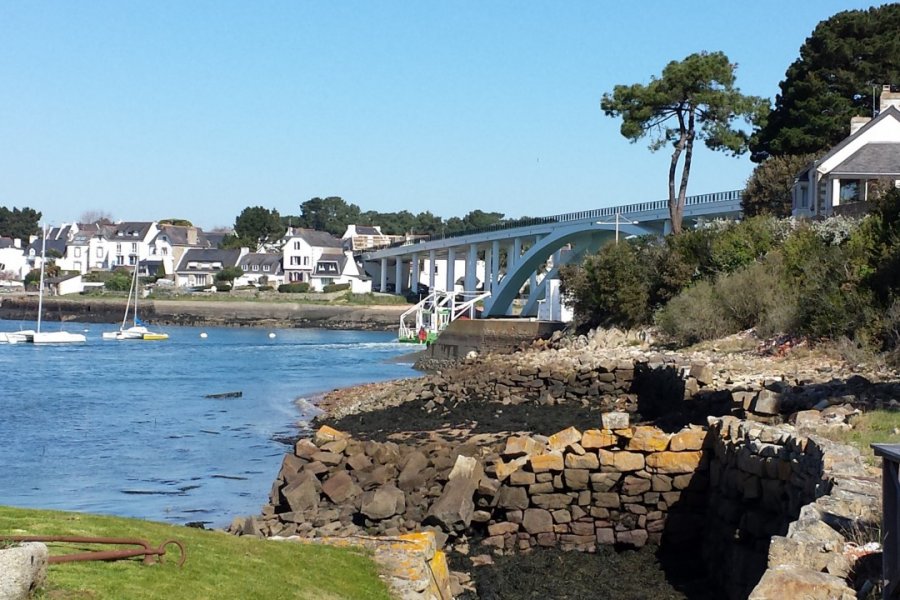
{"x": 145, "y": 549}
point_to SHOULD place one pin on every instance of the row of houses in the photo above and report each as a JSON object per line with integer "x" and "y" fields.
{"x": 191, "y": 257}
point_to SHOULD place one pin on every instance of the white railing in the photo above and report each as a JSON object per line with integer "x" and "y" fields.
{"x": 426, "y": 320}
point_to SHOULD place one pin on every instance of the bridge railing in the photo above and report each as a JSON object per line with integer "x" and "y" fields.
{"x": 629, "y": 210}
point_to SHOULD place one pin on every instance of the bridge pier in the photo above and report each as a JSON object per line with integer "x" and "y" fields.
{"x": 383, "y": 275}
{"x": 398, "y": 276}
{"x": 414, "y": 273}
{"x": 472, "y": 268}
{"x": 451, "y": 269}
{"x": 431, "y": 268}
{"x": 495, "y": 264}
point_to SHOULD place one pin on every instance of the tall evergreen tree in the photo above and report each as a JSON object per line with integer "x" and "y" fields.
{"x": 838, "y": 75}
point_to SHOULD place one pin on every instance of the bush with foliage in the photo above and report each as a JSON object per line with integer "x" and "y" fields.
{"x": 119, "y": 281}
{"x": 298, "y": 287}
{"x": 335, "y": 287}
{"x": 223, "y": 286}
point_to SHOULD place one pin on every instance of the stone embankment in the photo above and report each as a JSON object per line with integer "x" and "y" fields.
{"x": 228, "y": 313}
{"x": 768, "y": 504}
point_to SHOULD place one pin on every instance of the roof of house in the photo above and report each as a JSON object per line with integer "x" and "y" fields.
{"x": 318, "y": 239}
{"x": 260, "y": 258}
{"x": 330, "y": 258}
{"x": 6, "y": 242}
{"x": 890, "y": 112}
{"x": 228, "y": 258}
{"x": 881, "y": 158}
{"x": 179, "y": 235}
{"x": 367, "y": 230}
{"x": 52, "y": 244}
{"x": 213, "y": 238}
{"x": 128, "y": 230}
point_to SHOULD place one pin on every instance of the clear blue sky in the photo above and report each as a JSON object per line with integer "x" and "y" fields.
{"x": 156, "y": 109}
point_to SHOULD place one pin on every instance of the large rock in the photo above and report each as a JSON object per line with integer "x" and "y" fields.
{"x": 798, "y": 582}
{"x": 412, "y": 477}
{"x": 537, "y": 520}
{"x": 302, "y": 494}
{"x": 340, "y": 487}
{"x": 453, "y": 510}
{"x": 383, "y": 503}
{"x": 23, "y": 569}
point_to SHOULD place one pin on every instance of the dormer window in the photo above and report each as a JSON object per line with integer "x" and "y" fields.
{"x": 256, "y": 267}
{"x": 265, "y": 267}
{"x": 244, "y": 267}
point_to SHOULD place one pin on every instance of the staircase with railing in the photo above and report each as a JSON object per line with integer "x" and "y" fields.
{"x": 422, "y": 323}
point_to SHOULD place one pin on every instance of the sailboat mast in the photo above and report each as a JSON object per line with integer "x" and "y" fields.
{"x": 41, "y": 285}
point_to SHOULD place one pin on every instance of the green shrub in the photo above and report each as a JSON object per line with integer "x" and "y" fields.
{"x": 742, "y": 243}
{"x": 119, "y": 281}
{"x": 335, "y": 287}
{"x": 223, "y": 286}
{"x": 694, "y": 315}
{"x": 611, "y": 287}
{"x": 298, "y": 287}
{"x": 265, "y": 288}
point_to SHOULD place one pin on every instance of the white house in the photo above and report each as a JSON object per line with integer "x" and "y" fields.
{"x": 13, "y": 265}
{"x": 260, "y": 269}
{"x": 199, "y": 266}
{"x": 844, "y": 176}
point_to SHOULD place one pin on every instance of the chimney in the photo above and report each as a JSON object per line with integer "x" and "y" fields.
{"x": 889, "y": 98}
{"x": 856, "y": 123}
{"x": 192, "y": 236}
{"x": 17, "y": 243}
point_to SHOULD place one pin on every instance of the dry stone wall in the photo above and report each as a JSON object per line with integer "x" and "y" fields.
{"x": 780, "y": 508}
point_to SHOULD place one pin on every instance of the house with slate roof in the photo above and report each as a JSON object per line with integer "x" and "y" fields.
{"x": 170, "y": 244}
{"x": 840, "y": 181}
{"x": 319, "y": 259}
{"x": 261, "y": 269}
{"x": 198, "y": 266}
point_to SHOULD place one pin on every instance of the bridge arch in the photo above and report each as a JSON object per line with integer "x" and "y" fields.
{"x": 508, "y": 288}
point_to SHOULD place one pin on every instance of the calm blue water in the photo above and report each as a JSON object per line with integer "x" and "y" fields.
{"x": 124, "y": 428}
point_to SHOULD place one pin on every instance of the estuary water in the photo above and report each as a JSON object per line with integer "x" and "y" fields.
{"x": 125, "y": 427}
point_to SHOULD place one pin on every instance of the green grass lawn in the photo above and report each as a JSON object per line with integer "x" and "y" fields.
{"x": 218, "y": 565}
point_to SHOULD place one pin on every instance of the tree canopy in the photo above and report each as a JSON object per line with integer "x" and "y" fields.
{"x": 768, "y": 190}
{"x": 253, "y": 226}
{"x": 332, "y": 214}
{"x": 841, "y": 67}
{"x": 19, "y": 223}
{"x": 693, "y": 99}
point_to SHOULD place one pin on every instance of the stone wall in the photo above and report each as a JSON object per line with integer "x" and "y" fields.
{"x": 781, "y": 506}
{"x": 612, "y": 485}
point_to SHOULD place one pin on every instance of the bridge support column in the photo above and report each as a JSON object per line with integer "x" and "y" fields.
{"x": 414, "y": 273}
{"x": 472, "y": 268}
{"x": 667, "y": 227}
{"x": 488, "y": 259}
{"x": 495, "y": 264}
{"x": 383, "y": 275}
{"x": 398, "y": 276}
{"x": 532, "y": 284}
{"x": 451, "y": 269}
{"x": 431, "y": 267}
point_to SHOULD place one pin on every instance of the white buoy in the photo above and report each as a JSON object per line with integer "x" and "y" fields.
{"x": 272, "y": 335}
{"x": 203, "y": 335}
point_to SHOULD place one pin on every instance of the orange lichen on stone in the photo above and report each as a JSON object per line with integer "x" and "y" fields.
{"x": 674, "y": 462}
{"x": 594, "y": 439}
{"x": 648, "y": 439}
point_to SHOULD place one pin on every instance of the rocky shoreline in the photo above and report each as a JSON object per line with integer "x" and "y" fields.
{"x": 218, "y": 313}
{"x": 405, "y": 439}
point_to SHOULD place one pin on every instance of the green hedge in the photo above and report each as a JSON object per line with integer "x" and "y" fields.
{"x": 336, "y": 287}
{"x": 299, "y": 287}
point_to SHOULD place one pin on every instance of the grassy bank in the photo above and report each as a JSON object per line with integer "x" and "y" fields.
{"x": 217, "y": 566}
{"x": 873, "y": 427}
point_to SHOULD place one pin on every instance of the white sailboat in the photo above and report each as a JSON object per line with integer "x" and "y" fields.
{"x": 137, "y": 331}
{"x": 47, "y": 337}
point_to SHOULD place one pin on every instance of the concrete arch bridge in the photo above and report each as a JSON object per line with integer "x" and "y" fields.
{"x": 501, "y": 260}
